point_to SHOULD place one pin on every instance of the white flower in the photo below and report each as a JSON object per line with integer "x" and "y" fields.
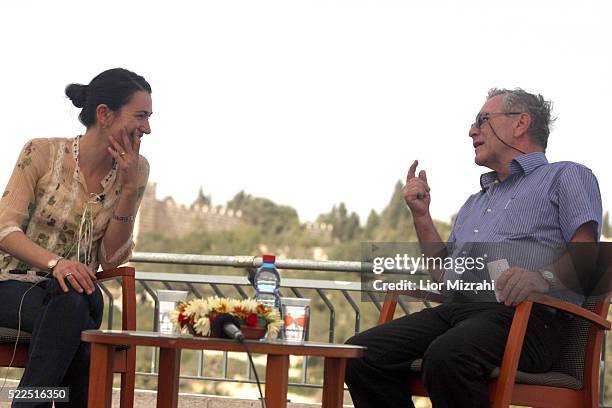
{"x": 224, "y": 305}
{"x": 272, "y": 315}
{"x": 174, "y": 316}
{"x": 273, "y": 329}
{"x": 202, "y": 326}
{"x": 214, "y": 302}
{"x": 249, "y": 305}
{"x": 232, "y": 303}
{"x": 196, "y": 308}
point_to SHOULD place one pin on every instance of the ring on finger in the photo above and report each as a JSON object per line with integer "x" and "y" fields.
{"x": 68, "y": 274}
{"x": 122, "y": 154}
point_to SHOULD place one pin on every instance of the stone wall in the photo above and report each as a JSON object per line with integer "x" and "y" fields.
{"x": 177, "y": 220}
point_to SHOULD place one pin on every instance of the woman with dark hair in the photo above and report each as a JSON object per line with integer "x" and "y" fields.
{"x": 68, "y": 209}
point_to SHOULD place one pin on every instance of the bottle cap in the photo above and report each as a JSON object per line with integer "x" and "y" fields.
{"x": 269, "y": 258}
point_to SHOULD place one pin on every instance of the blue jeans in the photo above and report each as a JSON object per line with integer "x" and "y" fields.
{"x": 56, "y": 357}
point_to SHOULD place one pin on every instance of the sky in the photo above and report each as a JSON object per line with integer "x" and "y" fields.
{"x": 313, "y": 103}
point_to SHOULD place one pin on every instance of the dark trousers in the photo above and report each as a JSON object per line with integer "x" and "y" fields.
{"x": 57, "y": 357}
{"x": 460, "y": 345}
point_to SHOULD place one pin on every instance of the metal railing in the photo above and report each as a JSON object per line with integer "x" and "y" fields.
{"x": 331, "y": 297}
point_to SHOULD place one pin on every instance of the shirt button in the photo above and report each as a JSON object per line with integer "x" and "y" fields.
{"x": 488, "y": 210}
{"x": 475, "y": 231}
{"x": 484, "y": 256}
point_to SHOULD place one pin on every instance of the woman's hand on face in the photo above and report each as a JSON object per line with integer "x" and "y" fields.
{"x": 125, "y": 149}
{"x": 79, "y": 276}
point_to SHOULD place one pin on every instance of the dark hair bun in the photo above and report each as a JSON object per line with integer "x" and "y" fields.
{"x": 77, "y": 94}
{"x": 113, "y": 88}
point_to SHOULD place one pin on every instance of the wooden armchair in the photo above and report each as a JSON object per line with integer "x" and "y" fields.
{"x": 125, "y": 357}
{"x": 574, "y": 378}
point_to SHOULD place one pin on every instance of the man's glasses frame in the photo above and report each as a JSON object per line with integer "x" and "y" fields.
{"x": 481, "y": 118}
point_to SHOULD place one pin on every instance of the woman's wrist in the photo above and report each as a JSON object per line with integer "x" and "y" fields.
{"x": 129, "y": 190}
{"x": 53, "y": 262}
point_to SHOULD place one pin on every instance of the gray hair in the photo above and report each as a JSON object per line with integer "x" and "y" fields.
{"x": 538, "y": 108}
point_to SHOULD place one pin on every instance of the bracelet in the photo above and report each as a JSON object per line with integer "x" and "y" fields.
{"x": 124, "y": 218}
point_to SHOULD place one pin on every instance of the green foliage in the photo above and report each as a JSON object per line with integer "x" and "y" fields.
{"x": 371, "y": 225}
{"x": 395, "y": 223}
{"x": 346, "y": 227}
{"x": 265, "y": 215}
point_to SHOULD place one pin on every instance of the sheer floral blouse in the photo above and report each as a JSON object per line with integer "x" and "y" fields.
{"x": 46, "y": 198}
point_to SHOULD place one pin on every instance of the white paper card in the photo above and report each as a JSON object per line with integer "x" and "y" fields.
{"x": 496, "y": 268}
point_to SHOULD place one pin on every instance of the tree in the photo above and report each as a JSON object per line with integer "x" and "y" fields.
{"x": 371, "y": 225}
{"x": 396, "y": 219}
{"x": 239, "y": 200}
{"x": 202, "y": 199}
{"x": 345, "y": 227}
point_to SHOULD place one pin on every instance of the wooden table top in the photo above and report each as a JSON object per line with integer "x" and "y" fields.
{"x": 186, "y": 341}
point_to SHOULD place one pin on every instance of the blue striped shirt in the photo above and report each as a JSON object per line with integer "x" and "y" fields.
{"x": 539, "y": 204}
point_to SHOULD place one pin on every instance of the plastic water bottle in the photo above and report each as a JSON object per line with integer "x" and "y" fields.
{"x": 267, "y": 283}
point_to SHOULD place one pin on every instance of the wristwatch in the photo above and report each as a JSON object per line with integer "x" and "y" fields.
{"x": 550, "y": 278}
{"x": 53, "y": 263}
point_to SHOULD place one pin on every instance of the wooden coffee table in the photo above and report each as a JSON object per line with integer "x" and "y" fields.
{"x": 277, "y": 368}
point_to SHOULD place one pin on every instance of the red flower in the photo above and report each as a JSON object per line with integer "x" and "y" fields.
{"x": 251, "y": 320}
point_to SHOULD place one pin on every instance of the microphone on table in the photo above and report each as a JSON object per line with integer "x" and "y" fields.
{"x": 226, "y": 325}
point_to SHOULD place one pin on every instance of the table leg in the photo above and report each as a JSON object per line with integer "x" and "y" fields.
{"x": 101, "y": 376}
{"x": 333, "y": 382}
{"x": 168, "y": 377}
{"x": 277, "y": 381}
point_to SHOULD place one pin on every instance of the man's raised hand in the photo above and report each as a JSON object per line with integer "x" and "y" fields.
{"x": 416, "y": 191}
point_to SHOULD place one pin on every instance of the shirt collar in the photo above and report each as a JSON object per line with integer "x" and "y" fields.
{"x": 525, "y": 163}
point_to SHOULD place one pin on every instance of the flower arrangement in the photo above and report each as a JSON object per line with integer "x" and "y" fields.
{"x": 198, "y": 314}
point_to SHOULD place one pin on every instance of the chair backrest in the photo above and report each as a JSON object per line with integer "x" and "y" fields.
{"x": 576, "y": 334}
{"x": 579, "y": 336}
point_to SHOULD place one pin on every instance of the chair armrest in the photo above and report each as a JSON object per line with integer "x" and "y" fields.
{"x": 573, "y": 309}
{"x": 128, "y": 293}
{"x": 115, "y": 273}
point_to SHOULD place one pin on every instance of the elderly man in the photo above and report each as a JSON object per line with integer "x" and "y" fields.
{"x": 523, "y": 199}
